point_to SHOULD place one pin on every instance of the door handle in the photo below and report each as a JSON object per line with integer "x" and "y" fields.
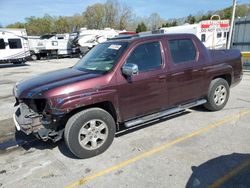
{"x": 177, "y": 74}
{"x": 161, "y": 77}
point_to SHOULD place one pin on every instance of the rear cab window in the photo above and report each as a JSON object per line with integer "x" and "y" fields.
{"x": 147, "y": 56}
{"x": 182, "y": 50}
{"x": 15, "y": 43}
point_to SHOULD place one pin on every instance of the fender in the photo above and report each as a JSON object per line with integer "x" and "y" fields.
{"x": 65, "y": 104}
{"x": 219, "y": 70}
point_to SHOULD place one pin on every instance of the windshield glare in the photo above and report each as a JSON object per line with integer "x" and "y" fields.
{"x": 102, "y": 58}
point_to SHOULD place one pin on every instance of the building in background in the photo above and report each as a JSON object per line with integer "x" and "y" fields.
{"x": 241, "y": 35}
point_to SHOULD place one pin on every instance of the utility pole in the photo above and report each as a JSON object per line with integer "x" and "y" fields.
{"x": 231, "y": 26}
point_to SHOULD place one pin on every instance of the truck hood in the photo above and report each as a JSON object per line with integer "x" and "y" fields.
{"x": 35, "y": 87}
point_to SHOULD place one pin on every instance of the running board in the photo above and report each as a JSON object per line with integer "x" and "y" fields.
{"x": 164, "y": 113}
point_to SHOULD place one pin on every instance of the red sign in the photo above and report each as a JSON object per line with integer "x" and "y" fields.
{"x": 211, "y": 25}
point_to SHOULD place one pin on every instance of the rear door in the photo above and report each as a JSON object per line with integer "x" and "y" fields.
{"x": 143, "y": 93}
{"x": 186, "y": 78}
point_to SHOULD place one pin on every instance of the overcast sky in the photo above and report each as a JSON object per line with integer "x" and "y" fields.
{"x": 17, "y": 10}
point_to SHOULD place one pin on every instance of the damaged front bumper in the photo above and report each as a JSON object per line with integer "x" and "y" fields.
{"x": 26, "y": 120}
{"x": 30, "y": 122}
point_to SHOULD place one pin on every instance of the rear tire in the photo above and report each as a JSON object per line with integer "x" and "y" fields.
{"x": 34, "y": 57}
{"x": 218, "y": 94}
{"x": 89, "y": 132}
{"x": 18, "y": 63}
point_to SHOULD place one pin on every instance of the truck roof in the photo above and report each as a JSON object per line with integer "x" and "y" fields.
{"x": 131, "y": 38}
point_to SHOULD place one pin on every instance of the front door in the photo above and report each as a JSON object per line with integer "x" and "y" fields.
{"x": 143, "y": 94}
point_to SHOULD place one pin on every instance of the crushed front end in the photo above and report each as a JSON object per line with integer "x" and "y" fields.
{"x": 32, "y": 117}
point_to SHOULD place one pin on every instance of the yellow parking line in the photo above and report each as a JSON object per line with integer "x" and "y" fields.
{"x": 245, "y": 54}
{"x": 230, "y": 174}
{"x": 158, "y": 149}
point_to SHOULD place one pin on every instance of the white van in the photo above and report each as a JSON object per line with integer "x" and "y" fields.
{"x": 14, "y": 46}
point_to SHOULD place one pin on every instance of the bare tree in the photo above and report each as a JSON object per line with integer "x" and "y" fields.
{"x": 94, "y": 16}
{"x": 111, "y": 12}
{"x": 125, "y": 16}
{"x": 155, "y": 21}
{"x": 76, "y": 22}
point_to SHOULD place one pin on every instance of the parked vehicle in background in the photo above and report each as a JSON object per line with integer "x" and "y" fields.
{"x": 88, "y": 38}
{"x": 212, "y": 33}
{"x": 123, "y": 83}
{"x": 14, "y": 47}
{"x": 48, "y": 45}
{"x": 35, "y": 47}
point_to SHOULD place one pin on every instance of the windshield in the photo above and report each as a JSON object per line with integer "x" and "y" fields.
{"x": 102, "y": 58}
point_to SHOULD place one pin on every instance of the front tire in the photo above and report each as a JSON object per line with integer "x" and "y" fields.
{"x": 218, "y": 94}
{"x": 89, "y": 132}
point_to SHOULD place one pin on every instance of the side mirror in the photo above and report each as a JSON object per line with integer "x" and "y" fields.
{"x": 130, "y": 69}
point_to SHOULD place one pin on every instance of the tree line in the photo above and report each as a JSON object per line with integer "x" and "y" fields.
{"x": 116, "y": 15}
{"x": 97, "y": 16}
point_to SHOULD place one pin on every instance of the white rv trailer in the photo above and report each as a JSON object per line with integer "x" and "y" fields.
{"x": 14, "y": 47}
{"x": 213, "y": 33}
{"x": 88, "y": 38}
{"x": 50, "y": 44}
{"x": 60, "y": 43}
{"x": 35, "y": 47}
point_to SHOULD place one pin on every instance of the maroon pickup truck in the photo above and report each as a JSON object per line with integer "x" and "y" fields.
{"x": 124, "y": 83}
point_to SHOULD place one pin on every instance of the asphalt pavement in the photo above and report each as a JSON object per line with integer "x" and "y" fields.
{"x": 197, "y": 148}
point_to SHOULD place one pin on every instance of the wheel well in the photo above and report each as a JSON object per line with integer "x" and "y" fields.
{"x": 107, "y": 106}
{"x": 32, "y": 52}
{"x": 226, "y": 77}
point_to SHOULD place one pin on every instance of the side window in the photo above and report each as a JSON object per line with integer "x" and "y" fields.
{"x": 203, "y": 38}
{"x": 225, "y": 34}
{"x": 182, "y": 50}
{"x": 15, "y": 43}
{"x": 2, "y": 44}
{"x": 219, "y": 35}
{"x": 60, "y": 37}
{"x": 54, "y": 43}
{"x": 146, "y": 56}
